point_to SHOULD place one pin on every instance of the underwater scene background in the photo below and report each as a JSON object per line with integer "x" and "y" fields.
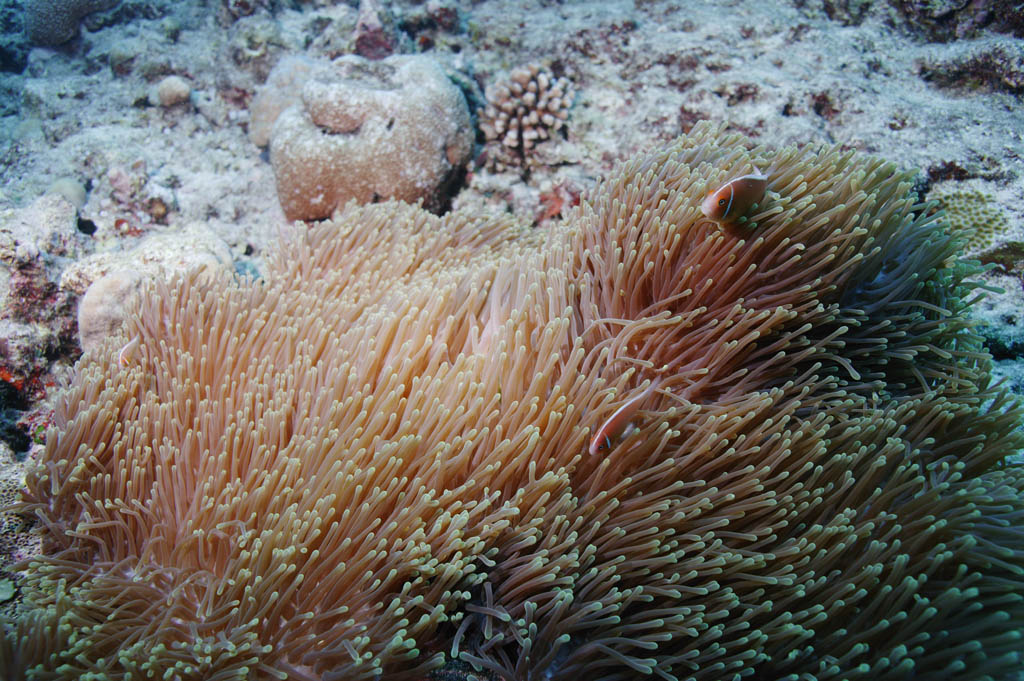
{"x": 511, "y": 340}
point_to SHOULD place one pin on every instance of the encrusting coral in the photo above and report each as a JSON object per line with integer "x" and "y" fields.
{"x": 374, "y": 462}
{"x": 974, "y": 213}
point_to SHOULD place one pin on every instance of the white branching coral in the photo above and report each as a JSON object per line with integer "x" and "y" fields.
{"x": 522, "y": 111}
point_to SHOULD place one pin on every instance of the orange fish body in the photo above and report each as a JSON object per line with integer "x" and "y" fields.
{"x": 734, "y": 199}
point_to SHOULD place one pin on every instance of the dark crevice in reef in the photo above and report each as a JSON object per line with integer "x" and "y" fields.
{"x": 1001, "y": 346}
{"x": 12, "y": 404}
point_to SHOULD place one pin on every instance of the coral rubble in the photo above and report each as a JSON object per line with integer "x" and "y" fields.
{"x": 375, "y": 463}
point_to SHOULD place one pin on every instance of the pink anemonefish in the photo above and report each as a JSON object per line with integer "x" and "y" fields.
{"x": 617, "y": 422}
{"x": 125, "y": 355}
{"x": 730, "y": 202}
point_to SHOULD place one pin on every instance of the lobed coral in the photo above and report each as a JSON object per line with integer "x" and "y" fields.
{"x": 395, "y": 128}
{"x": 522, "y": 111}
{"x": 282, "y": 89}
{"x": 374, "y": 463}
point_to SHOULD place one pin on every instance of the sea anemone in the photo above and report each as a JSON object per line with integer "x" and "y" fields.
{"x": 374, "y": 462}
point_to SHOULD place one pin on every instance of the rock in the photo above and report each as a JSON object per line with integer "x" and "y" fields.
{"x": 47, "y": 225}
{"x": 375, "y": 36}
{"x": 70, "y": 189}
{"x": 161, "y": 254}
{"x": 121, "y": 55}
{"x": 103, "y": 307}
{"x": 110, "y": 279}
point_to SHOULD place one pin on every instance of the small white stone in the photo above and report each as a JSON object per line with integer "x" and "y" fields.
{"x": 170, "y": 91}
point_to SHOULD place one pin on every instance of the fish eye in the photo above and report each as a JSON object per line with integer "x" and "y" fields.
{"x": 721, "y": 202}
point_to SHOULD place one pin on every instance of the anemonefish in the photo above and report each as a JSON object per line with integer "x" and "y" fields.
{"x": 618, "y": 421}
{"x": 126, "y": 353}
{"x": 730, "y": 202}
